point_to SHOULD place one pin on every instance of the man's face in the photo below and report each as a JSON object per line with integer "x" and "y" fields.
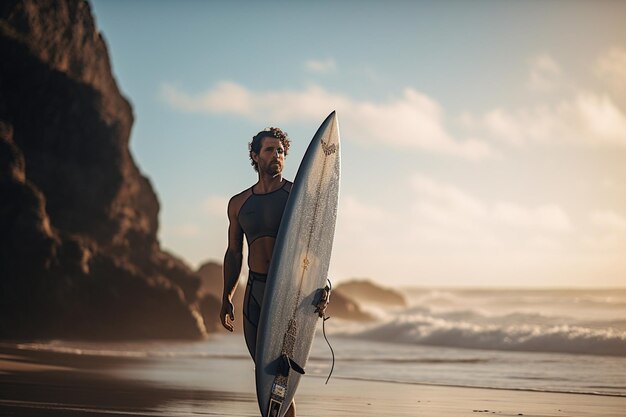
{"x": 271, "y": 157}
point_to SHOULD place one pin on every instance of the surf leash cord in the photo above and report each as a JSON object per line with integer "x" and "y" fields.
{"x": 324, "y": 318}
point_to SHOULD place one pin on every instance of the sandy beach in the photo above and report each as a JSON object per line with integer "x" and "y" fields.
{"x": 44, "y": 383}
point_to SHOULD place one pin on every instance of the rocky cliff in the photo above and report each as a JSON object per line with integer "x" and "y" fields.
{"x": 79, "y": 255}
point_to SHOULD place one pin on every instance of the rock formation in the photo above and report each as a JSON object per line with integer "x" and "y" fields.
{"x": 343, "y": 307}
{"x": 79, "y": 255}
{"x": 211, "y": 288}
{"x": 363, "y": 290}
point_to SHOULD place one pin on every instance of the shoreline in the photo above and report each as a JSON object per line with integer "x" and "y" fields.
{"x": 49, "y": 384}
{"x": 432, "y": 384}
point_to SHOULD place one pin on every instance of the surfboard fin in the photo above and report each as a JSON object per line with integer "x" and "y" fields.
{"x": 286, "y": 363}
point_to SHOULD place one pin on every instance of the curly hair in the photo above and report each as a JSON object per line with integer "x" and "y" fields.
{"x": 269, "y": 132}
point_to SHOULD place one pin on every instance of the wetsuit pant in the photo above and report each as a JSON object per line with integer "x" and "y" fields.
{"x": 253, "y": 300}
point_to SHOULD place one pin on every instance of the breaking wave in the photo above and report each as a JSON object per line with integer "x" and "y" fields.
{"x": 509, "y": 335}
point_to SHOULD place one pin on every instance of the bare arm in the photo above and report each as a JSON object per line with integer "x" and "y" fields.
{"x": 232, "y": 265}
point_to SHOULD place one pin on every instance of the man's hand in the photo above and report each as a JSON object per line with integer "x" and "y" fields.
{"x": 227, "y": 314}
{"x": 321, "y": 308}
{"x": 324, "y": 299}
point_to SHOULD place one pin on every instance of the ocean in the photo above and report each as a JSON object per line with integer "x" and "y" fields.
{"x": 570, "y": 341}
{"x": 543, "y": 340}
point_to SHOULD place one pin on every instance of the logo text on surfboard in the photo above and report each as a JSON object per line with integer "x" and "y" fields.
{"x": 328, "y": 149}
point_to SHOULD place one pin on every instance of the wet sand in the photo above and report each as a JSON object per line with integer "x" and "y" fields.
{"x": 35, "y": 383}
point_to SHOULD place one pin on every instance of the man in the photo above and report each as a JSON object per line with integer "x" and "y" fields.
{"x": 256, "y": 213}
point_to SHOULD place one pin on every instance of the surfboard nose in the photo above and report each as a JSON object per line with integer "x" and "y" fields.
{"x": 332, "y": 122}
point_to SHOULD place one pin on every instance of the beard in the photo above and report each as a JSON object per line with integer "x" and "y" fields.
{"x": 274, "y": 168}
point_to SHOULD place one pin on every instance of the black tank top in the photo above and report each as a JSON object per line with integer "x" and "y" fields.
{"x": 260, "y": 214}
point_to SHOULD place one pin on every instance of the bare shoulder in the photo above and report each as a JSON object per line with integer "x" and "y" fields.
{"x": 237, "y": 201}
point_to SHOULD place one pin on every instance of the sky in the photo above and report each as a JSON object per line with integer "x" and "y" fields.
{"x": 483, "y": 142}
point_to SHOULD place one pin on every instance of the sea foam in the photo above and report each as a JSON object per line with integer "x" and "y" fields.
{"x": 561, "y": 321}
{"x": 433, "y": 330}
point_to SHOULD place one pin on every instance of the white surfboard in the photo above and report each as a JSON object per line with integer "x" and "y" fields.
{"x": 298, "y": 270}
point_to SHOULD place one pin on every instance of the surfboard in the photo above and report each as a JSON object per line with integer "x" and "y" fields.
{"x": 298, "y": 271}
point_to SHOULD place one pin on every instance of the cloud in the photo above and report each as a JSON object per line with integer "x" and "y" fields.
{"x": 445, "y": 206}
{"x": 440, "y": 228}
{"x": 608, "y": 220}
{"x": 600, "y": 119}
{"x": 227, "y": 97}
{"x": 411, "y": 121}
{"x": 445, "y": 215}
{"x": 321, "y": 66}
{"x": 353, "y": 214}
{"x": 609, "y": 235}
{"x": 587, "y": 119}
{"x": 215, "y": 205}
{"x": 581, "y": 118}
{"x": 357, "y": 213}
{"x": 549, "y": 217}
{"x": 611, "y": 66}
{"x": 504, "y": 125}
{"x": 545, "y": 243}
{"x": 545, "y": 74}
